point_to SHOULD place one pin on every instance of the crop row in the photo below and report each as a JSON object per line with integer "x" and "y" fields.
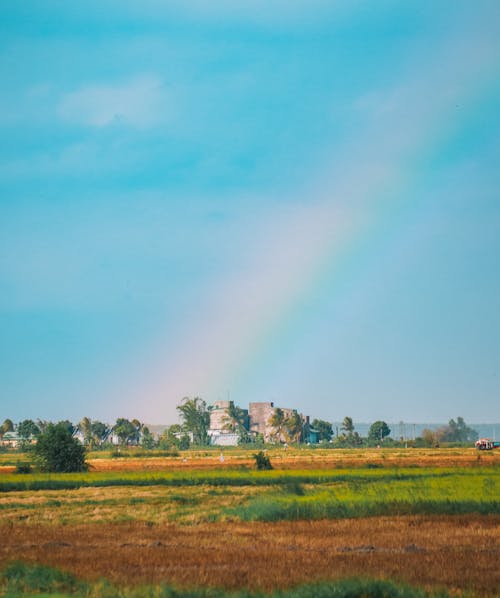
{"x": 37, "y": 481}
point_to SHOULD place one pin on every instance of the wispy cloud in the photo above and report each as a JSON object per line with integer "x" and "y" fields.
{"x": 142, "y": 102}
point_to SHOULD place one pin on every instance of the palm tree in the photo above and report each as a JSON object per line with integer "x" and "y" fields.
{"x": 100, "y": 432}
{"x": 293, "y": 427}
{"x": 236, "y": 421}
{"x": 196, "y": 418}
{"x": 7, "y": 426}
{"x": 277, "y": 421}
{"x": 85, "y": 427}
{"x": 347, "y": 425}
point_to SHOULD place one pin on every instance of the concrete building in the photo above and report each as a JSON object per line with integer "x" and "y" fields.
{"x": 259, "y": 414}
{"x": 219, "y": 415}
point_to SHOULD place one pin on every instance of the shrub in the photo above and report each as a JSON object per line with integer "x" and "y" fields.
{"x": 27, "y": 579}
{"x": 262, "y": 461}
{"x": 23, "y": 468}
{"x": 57, "y": 451}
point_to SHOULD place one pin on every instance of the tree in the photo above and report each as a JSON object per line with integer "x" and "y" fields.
{"x": 429, "y": 438}
{"x": 7, "y": 426}
{"x": 85, "y": 427}
{"x": 125, "y": 430}
{"x": 277, "y": 421}
{"x": 378, "y": 431}
{"x": 324, "y": 428}
{"x": 293, "y": 427}
{"x": 170, "y": 437}
{"x": 99, "y": 432}
{"x": 196, "y": 418}
{"x": 347, "y": 425}
{"x": 147, "y": 439}
{"x": 236, "y": 422}
{"x": 58, "y": 451}
{"x": 65, "y": 422}
{"x": 27, "y": 430}
{"x": 458, "y": 431}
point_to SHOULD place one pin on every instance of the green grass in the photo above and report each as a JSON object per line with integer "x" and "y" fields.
{"x": 39, "y": 481}
{"x": 19, "y": 579}
{"x": 455, "y": 493}
{"x": 282, "y": 494}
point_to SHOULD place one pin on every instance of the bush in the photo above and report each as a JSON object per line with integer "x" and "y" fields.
{"x": 23, "y": 468}
{"x": 23, "y": 579}
{"x": 262, "y": 461}
{"x": 57, "y": 451}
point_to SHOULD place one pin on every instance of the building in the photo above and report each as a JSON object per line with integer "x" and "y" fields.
{"x": 219, "y": 432}
{"x": 219, "y": 415}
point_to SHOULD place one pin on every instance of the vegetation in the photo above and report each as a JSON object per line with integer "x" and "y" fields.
{"x": 324, "y": 428}
{"x": 174, "y": 524}
{"x": 126, "y": 431}
{"x": 196, "y": 419}
{"x": 57, "y": 451}
{"x": 262, "y": 461}
{"x": 19, "y": 579}
{"x": 378, "y": 431}
{"x": 7, "y": 426}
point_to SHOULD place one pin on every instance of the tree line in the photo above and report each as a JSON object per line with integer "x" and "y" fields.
{"x": 194, "y": 414}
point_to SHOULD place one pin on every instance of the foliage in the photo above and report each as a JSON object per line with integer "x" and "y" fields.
{"x": 27, "y": 429}
{"x": 7, "y": 426}
{"x": 147, "y": 439}
{"x": 458, "y": 431}
{"x": 277, "y": 421}
{"x": 378, "y": 431}
{"x": 23, "y": 468}
{"x": 293, "y": 426}
{"x": 237, "y": 422}
{"x": 196, "y": 418}
{"x": 85, "y": 427}
{"x": 184, "y": 442}
{"x": 57, "y": 451}
{"x": 23, "y": 579}
{"x": 170, "y": 437}
{"x": 324, "y": 429}
{"x": 347, "y": 425}
{"x": 262, "y": 461}
{"x": 65, "y": 422}
{"x": 126, "y": 431}
{"x": 99, "y": 432}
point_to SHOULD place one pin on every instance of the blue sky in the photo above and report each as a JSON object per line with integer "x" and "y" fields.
{"x": 286, "y": 201}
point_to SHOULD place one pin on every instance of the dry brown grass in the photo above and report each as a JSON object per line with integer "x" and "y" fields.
{"x": 303, "y": 458}
{"x": 456, "y": 552}
{"x": 308, "y": 459}
{"x": 151, "y": 504}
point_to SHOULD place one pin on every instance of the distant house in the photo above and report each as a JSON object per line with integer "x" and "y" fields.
{"x": 221, "y": 438}
{"x": 312, "y": 436}
{"x": 10, "y": 440}
{"x": 218, "y": 432}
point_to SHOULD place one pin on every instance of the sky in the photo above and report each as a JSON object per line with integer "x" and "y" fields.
{"x": 290, "y": 201}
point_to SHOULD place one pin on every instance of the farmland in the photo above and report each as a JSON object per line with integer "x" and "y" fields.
{"x": 426, "y": 518}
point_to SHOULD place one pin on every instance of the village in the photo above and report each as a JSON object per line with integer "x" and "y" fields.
{"x": 222, "y": 424}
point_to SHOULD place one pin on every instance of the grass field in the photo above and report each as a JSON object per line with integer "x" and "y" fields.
{"x": 433, "y": 525}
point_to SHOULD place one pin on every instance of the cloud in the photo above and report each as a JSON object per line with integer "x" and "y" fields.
{"x": 140, "y": 103}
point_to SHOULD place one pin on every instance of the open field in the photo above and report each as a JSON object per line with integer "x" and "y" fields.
{"x": 431, "y": 524}
{"x": 460, "y": 552}
{"x": 303, "y": 458}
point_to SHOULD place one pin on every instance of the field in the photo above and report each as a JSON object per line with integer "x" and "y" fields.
{"x": 428, "y": 518}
